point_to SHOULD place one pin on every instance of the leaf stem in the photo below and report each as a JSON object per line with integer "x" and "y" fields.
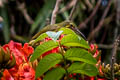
{"x": 65, "y": 63}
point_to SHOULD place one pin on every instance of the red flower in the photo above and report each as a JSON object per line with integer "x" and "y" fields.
{"x": 15, "y": 49}
{"x": 26, "y": 72}
{"x": 21, "y": 55}
{"x": 7, "y": 75}
{"x": 101, "y": 79}
{"x": 92, "y": 47}
{"x": 54, "y": 50}
{"x": 27, "y": 50}
{"x": 92, "y": 78}
{"x": 47, "y": 39}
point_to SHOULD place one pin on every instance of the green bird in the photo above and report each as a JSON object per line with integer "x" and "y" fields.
{"x": 56, "y": 27}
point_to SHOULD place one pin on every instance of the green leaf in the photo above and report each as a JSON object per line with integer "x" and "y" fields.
{"x": 43, "y": 14}
{"x": 67, "y": 31}
{"x": 74, "y": 40}
{"x": 46, "y": 46}
{"x": 54, "y": 35}
{"x": 47, "y": 62}
{"x": 78, "y": 54}
{"x": 42, "y": 36}
{"x": 83, "y": 68}
{"x": 55, "y": 74}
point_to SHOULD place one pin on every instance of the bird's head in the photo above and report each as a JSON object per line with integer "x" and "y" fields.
{"x": 71, "y": 25}
{"x": 68, "y": 24}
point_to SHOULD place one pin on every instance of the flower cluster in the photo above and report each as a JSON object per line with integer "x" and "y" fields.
{"x": 97, "y": 55}
{"x": 22, "y": 70}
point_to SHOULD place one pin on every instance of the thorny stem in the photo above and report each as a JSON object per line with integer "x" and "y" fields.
{"x": 116, "y": 43}
{"x": 65, "y": 63}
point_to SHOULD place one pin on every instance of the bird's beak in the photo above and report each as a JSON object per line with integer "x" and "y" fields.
{"x": 77, "y": 31}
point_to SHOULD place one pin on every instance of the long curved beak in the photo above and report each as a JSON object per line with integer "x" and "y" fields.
{"x": 77, "y": 31}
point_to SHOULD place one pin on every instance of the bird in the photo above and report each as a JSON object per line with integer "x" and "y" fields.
{"x": 56, "y": 27}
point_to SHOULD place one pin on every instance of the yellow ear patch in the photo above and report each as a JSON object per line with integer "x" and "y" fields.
{"x": 67, "y": 26}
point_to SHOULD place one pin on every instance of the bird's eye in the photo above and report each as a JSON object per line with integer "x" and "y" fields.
{"x": 71, "y": 24}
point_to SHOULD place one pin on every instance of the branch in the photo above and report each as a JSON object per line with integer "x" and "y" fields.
{"x": 83, "y": 24}
{"x": 55, "y": 11}
{"x": 99, "y": 26}
{"x": 73, "y": 10}
{"x": 21, "y": 7}
{"x": 1, "y": 3}
{"x": 107, "y": 46}
{"x": 90, "y": 6}
{"x": 12, "y": 29}
{"x": 47, "y": 21}
{"x": 1, "y": 19}
{"x": 92, "y": 1}
{"x": 116, "y": 43}
{"x": 68, "y": 6}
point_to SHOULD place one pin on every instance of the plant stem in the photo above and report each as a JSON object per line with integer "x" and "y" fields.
{"x": 65, "y": 63}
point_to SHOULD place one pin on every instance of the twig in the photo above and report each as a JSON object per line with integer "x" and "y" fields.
{"x": 117, "y": 41}
{"x": 90, "y": 6}
{"x": 92, "y": 1}
{"x": 19, "y": 38}
{"x": 12, "y": 29}
{"x": 83, "y": 24}
{"x": 1, "y": 3}
{"x": 55, "y": 11}
{"x": 114, "y": 51}
{"x": 47, "y": 21}
{"x": 108, "y": 19}
{"x": 70, "y": 19}
{"x": 72, "y": 11}
{"x": 118, "y": 11}
{"x": 118, "y": 15}
{"x": 1, "y": 19}
{"x": 104, "y": 36}
{"x": 67, "y": 6}
{"x": 107, "y": 46}
{"x": 21, "y": 7}
{"x": 99, "y": 26}
{"x": 92, "y": 24}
